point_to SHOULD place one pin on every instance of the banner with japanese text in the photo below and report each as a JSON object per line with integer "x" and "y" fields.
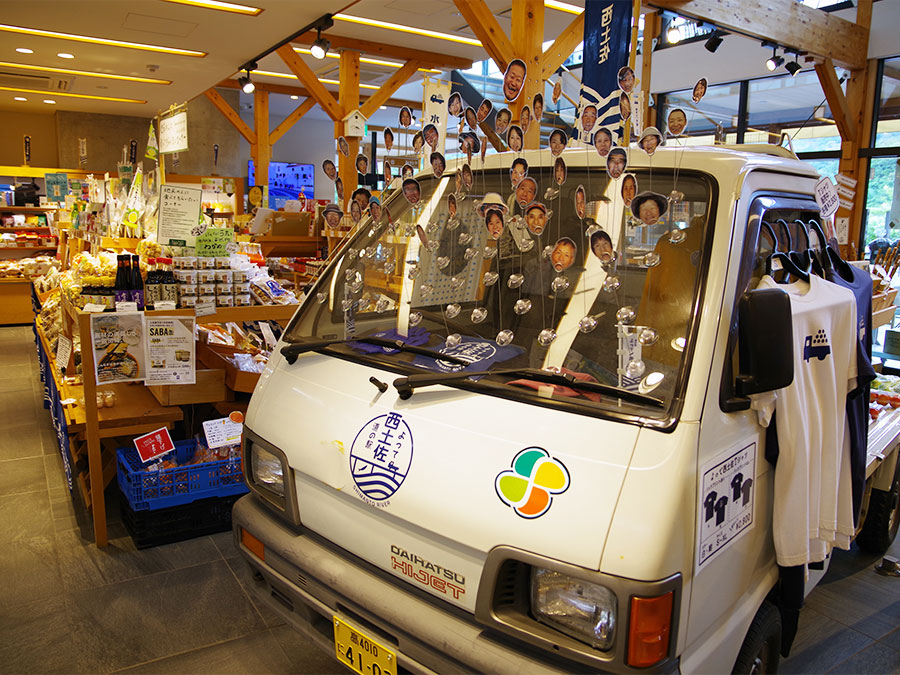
{"x": 435, "y": 110}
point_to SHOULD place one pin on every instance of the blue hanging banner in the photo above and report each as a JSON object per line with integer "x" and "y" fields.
{"x": 607, "y": 32}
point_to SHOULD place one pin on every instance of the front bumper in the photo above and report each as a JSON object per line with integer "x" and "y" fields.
{"x": 308, "y": 582}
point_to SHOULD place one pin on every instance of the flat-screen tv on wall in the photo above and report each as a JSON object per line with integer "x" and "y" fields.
{"x": 286, "y": 181}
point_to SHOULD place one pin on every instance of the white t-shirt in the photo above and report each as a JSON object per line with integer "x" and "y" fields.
{"x": 813, "y": 494}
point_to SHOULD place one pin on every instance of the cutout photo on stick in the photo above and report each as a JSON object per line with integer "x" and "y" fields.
{"x": 438, "y": 164}
{"x": 562, "y": 257}
{"x": 407, "y": 171}
{"x": 537, "y": 107}
{"x": 492, "y": 209}
{"x": 536, "y": 218}
{"x": 343, "y": 146}
{"x": 514, "y": 138}
{"x": 375, "y": 209}
{"x": 525, "y": 118}
{"x": 526, "y": 191}
{"x": 649, "y": 207}
{"x": 388, "y": 139}
{"x": 332, "y": 215}
{"x": 588, "y": 119}
{"x": 514, "y": 79}
{"x": 361, "y": 196}
{"x": 502, "y": 120}
{"x": 629, "y": 188}
{"x": 388, "y": 172}
{"x": 484, "y": 110}
{"x": 602, "y": 246}
{"x": 405, "y": 117}
{"x": 518, "y": 171}
{"x": 557, "y": 142}
{"x": 471, "y": 118}
{"x": 557, "y": 92}
{"x": 355, "y": 212}
{"x": 650, "y": 140}
{"x": 469, "y": 143}
{"x": 451, "y": 205}
{"x": 412, "y": 191}
{"x": 699, "y": 90}
{"x": 676, "y": 122}
{"x": 339, "y": 188}
{"x": 329, "y": 169}
{"x": 418, "y": 142}
{"x": 580, "y": 202}
{"x": 624, "y": 106}
{"x": 559, "y": 171}
{"x": 626, "y": 79}
{"x": 455, "y": 105}
{"x": 467, "y": 178}
{"x": 432, "y": 137}
{"x": 616, "y": 162}
{"x": 603, "y": 141}
{"x": 362, "y": 164}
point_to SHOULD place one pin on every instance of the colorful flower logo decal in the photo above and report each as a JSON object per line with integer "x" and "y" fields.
{"x": 531, "y": 483}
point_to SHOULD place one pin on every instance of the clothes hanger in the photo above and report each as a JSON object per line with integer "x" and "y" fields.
{"x": 829, "y": 258}
{"x": 781, "y": 260}
{"x": 795, "y": 268}
{"x": 807, "y": 257}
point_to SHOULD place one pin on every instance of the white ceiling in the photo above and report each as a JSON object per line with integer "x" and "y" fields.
{"x": 230, "y": 40}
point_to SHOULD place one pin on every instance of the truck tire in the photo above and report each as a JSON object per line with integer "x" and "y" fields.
{"x": 762, "y": 647}
{"x": 882, "y": 519}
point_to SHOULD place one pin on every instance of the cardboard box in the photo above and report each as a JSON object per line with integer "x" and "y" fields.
{"x": 216, "y": 356}
{"x": 288, "y": 224}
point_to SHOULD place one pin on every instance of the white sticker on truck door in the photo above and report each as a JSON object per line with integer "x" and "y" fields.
{"x": 726, "y": 500}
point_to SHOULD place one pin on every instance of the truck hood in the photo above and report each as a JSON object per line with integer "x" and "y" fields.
{"x": 425, "y": 488}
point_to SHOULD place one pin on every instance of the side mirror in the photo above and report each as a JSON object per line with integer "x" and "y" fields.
{"x": 766, "y": 342}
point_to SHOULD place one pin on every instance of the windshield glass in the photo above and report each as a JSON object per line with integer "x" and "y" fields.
{"x": 594, "y": 277}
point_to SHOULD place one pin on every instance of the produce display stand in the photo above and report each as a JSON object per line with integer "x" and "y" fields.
{"x": 15, "y": 293}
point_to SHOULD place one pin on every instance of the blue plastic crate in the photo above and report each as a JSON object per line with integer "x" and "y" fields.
{"x": 151, "y": 490}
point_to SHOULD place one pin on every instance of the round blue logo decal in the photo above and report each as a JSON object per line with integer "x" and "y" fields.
{"x": 380, "y": 456}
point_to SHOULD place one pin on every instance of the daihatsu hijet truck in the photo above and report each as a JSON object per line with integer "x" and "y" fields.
{"x": 490, "y": 438}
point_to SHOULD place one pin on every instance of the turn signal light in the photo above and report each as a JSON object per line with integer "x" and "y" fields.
{"x": 254, "y": 545}
{"x": 648, "y": 630}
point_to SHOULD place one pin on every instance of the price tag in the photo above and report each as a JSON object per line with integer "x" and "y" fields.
{"x": 204, "y": 308}
{"x": 63, "y": 352}
{"x": 154, "y": 444}
{"x": 268, "y": 334}
{"x": 92, "y": 308}
{"x": 163, "y": 305}
{"x": 125, "y": 306}
{"x": 222, "y": 432}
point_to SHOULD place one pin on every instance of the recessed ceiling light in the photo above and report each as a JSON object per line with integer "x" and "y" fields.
{"x": 563, "y": 7}
{"x": 24, "y": 50}
{"x": 59, "y": 93}
{"x": 407, "y": 29}
{"x": 19, "y": 98}
{"x": 289, "y": 76}
{"x": 221, "y": 6}
{"x": 382, "y": 107}
{"x": 361, "y": 86}
{"x": 49, "y": 100}
{"x": 84, "y": 73}
{"x": 66, "y": 55}
{"x": 99, "y": 41}
{"x": 294, "y": 98}
{"x": 366, "y": 59}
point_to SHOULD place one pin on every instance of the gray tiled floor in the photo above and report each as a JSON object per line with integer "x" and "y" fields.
{"x": 68, "y": 607}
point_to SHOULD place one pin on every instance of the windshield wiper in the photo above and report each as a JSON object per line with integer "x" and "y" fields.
{"x": 295, "y": 349}
{"x": 406, "y": 385}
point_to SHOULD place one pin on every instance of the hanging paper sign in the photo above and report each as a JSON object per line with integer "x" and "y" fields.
{"x": 27, "y": 143}
{"x": 222, "y": 432}
{"x": 437, "y": 94}
{"x": 154, "y": 444}
{"x": 132, "y": 151}
{"x": 845, "y": 203}
{"x": 118, "y": 344}
{"x": 63, "y": 352}
{"x": 173, "y": 133}
{"x": 827, "y": 197}
{"x": 846, "y": 181}
{"x": 57, "y": 185}
{"x": 152, "y": 151}
{"x": 179, "y": 211}
{"x": 214, "y": 242}
{"x": 82, "y": 151}
{"x": 170, "y": 350}
{"x": 844, "y": 191}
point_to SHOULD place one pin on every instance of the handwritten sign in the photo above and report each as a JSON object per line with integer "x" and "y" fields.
{"x": 179, "y": 215}
{"x": 154, "y": 444}
{"x": 827, "y": 197}
{"x": 63, "y": 352}
{"x": 214, "y": 242}
{"x": 222, "y": 432}
{"x": 173, "y": 134}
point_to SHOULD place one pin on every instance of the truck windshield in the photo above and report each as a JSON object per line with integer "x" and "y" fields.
{"x": 593, "y": 278}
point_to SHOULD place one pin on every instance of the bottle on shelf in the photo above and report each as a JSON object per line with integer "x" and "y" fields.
{"x": 153, "y": 285}
{"x": 123, "y": 278}
{"x": 169, "y": 283}
{"x": 137, "y": 283}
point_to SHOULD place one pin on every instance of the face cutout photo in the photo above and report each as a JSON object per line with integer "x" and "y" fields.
{"x": 602, "y": 246}
{"x": 362, "y": 164}
{"x": 469, "y": 143}
{"x": 388, "y": 139}
{"x": 407, "y": 171}
{"x": 493, "y": 221}
{"x": 649, "y": 207}
{"x": 343, "y": 146}
{"x": 514, "y": 138}
{"x": 501, "y": 121}
{"x": 525, "y": 118}
{"x": 624, "y": 106}
{"x": 438, "y": 164}
{"x": 454, "y": 105}
{"x": 588, "y": 119}
{"x": 339, "y": 188}
{"x": 526, "y": 191}
{"x": 676, "y": 122}
{"x": 603, "y": 141}
{"x": 468, "y": 179}
{"x": 616, "y": 162}
{"x": 557, "y": 92}
{"x": 514, "y": 79}
{"x": 650, "y": 140}
{"x": 517, "y": 172}
{"x": 536, "y": 218}
{"x": 333, "y": 215}
{"x": 375, "y": 209}
{"x": 629, "y": 188}
{"x": 361, "y": 196}
{"x": 355, "y": 212}
{"x": 580, "y": 202}
{"x": 557, "y": 142}
{"x": 412, "y": 191}
{"x": 559, "y": 171}
{"x": 329, "y": 169}
{"x": 699, "y": 90}
{"x": 432, "y": 137}
{"x": 484, "y": 110}
{"x": 626, "y": 79}
{"x": 388, "y": 172}
{"x": 563, "y": 255}
{"x": 405, "y": 117}
{"x": 451, "y": 205}
{"x": 537, "y": 106}
{"x": 471, "y": 118}
{"x": 418, "y": 142}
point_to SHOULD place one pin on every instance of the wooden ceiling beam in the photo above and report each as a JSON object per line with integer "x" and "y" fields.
{"x": 399, "y": 78}
{"x": 378, "y": 49}
{"x": 484, "y": 24}
{"x": 231, "y": 115}
{"x": 291, "y": 120}
{"x": 563, "y": 46}
{"x": 316, "y": 89}
{"x": 303, "y": 92}
{"x": 840, "y": 109}
{"x": 785, "y": 22}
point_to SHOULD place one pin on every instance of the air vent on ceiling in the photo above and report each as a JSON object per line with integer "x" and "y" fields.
{"x": 40, "y": 82}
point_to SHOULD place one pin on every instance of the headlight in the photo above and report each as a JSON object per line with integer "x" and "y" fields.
{"x": 266, "y": 470}
{"x": 583, "y": 610}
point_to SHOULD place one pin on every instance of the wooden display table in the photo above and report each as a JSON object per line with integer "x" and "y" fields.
{"x": 15, "y": 301}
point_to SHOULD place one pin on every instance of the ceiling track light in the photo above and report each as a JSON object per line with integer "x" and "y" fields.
{"x": 320, "y": 47}
{"x": 674, "y": 34}
{"x": 713, "y": 43}
{"x": 793, "y": 67}
{"x": 774, "y": 61}
{"x": 246, "y": 83}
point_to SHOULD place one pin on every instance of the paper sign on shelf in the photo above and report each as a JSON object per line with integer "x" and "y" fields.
{"x": 222, "y": 432}
{"x": 179, "y": 215}
{"x": 268, "y": 335}
{"x": 126, "y": 306}
{"x": 827, "y": 197}
{"x": 213, "y": 242}
{"x": 154, "y": 444}
{"x": 117, "y": 340}
{"x": 63, "y": 352}
{"x": 842, "y": 227}
{"x": 845, "y": 191}
{"x": 204, "y": 308}
{"x": 93, "y": 308}
{"x": 170, "y": 350}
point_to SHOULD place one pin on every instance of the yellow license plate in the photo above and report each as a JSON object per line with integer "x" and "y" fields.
{"x": 361, "y": 653}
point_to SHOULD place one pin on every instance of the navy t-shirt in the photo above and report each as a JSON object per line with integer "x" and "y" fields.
{"x": 860, "y": 282}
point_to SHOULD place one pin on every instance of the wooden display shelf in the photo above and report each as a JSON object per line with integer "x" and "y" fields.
{"x": 135, "y": 408}
{"x": 28, "y": 248}
{"x": 27, "y": 209}
{"x": 25, "y": 228}
{"x": 289, "y": 245}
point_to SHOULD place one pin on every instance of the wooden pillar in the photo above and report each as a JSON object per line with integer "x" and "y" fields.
{"x": 527, "y": 39}
{"x": 262, "y": 150}
{"x": 92, "y": 432}
{"x": 651, "y": 33}
{"x": 348, "y": 99}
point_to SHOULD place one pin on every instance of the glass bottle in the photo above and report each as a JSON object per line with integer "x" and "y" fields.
{"x": 152, "y": 287}
{"x": 123, "y": 279}
{"x": 137, "y": 283}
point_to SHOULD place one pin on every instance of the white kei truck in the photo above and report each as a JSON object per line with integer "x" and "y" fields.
{"x": 480, "y": 454}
